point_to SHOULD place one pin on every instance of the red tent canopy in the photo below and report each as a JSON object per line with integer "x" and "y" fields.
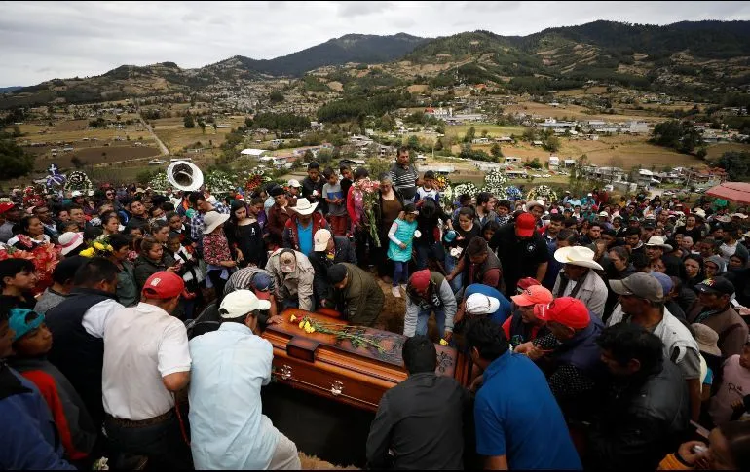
{"x": 734, "y": 191}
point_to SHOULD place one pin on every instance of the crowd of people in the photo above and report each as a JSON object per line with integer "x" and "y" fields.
{"x": 603, "y": 332}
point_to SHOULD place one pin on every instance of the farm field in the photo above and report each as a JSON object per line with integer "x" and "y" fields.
{"x": 176, "y": 137}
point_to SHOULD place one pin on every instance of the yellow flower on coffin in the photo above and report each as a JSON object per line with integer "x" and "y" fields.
{"x": 292, "y": 319}
{"x": 308, "y": 326}
{"x": 87, "y": 252}
{"x": 301, "y": 324}
{"x": 443, "y": 342}
{"x": 312, "y": 330}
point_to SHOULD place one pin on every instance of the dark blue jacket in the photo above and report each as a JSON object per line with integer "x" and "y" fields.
{"x": 27, "y": 432}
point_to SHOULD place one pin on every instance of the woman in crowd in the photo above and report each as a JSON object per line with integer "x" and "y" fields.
{"x": 359, "y": 224}
{"x": 456, "y": 240}
{"x": 244, "y": 234}
{"x": 30, "y": 234}
{"x": 217, "y": 254}
{"x": 694, "y": 269}
{"x": 728, "y": 449}
{"x": 110, "y": 224}
{"x": 390, "y": 204}
{"x": 127, "y": 290}
{"x": 691, "y": 228}
{"x": 160, "y": 231}
{"x": 151, "y": 259}
{"x": 739, "y": 274}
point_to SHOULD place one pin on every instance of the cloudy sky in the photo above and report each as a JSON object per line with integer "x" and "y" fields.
{"x": 42, "y": 40}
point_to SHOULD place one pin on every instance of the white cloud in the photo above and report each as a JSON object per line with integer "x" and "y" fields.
{"x": 45, "y": 40}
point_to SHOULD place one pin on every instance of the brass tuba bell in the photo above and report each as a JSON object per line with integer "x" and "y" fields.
{"x": 185, "y": 176}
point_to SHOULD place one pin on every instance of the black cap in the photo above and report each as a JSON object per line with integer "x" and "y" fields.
{"x": 631, "y": 231}
{"x": 718, "y": 285}
{"x": 276, "y": 191}
{"x": 649, "y": 225}
{"x": 336, "y": 273}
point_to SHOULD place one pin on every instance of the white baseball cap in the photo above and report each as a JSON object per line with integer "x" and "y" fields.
{"x": 76, "y": 193}
{"x": 322, "y": 236}
{"x": 241, "y": 302}
{"x": 480, "y": 304}
{"x": 294, "y": 183}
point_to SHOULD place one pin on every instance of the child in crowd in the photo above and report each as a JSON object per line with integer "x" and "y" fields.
{"x": 490, "y": 229}
{"x": 334, "y": 196}
{"x": 217, "y": 254}
{"x": 428, "y": 190}
{"x": 502, "y": 208}
{"x": 400, "y": 247}
{"x": 735, "y": 383}
{"x": 32, "y": 340}
{"x": 189, "y": 270}
{"x": 346, "y": 178}
{"x": 464, "y": 201}
{"x": 456, "y": 240}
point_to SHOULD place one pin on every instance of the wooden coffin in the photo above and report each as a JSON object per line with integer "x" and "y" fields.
{"x": 358, "y": 376}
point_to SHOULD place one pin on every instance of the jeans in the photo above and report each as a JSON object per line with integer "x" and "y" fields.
{"x": 162, "y": 443}
{"x": 424, "y": 316}
{"x": 427, "y": 252}
{"x": 450, "y": 264}
{"x": 400, "y": 272}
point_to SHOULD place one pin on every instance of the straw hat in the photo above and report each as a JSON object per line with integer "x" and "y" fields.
{"x": 659, "y": 241}
{"x": 707, "y": 339}
{"x": 304, "y": 207}
{"x": 213, "y": 219}
{"x": 578, "y": 256}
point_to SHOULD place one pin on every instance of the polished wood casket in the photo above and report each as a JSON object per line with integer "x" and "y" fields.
{"x": 358, "y": 376}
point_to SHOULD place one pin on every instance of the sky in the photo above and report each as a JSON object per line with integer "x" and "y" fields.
{"x": 46, "y": 40}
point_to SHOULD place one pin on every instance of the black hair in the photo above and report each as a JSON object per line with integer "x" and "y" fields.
{"x": 66, "y": 269}
{"x": 628, "y": 341}
{"x": 568, "y": 235}
{"x": 13, "y": 267}
{"x": 402, "y": 149}
{"x": 557, "y": 217}
{"x": 195, "y": 196}
{"x": 503, "y": 203}
{"x": 118, "y": 241}
{"x": 92, "y": 232}
{"x": 483, "y": 197}
{"x": 570, "y": 223}
{"x": 23, "y": 224}
{"x": 640, "y": 260}
{"x": 94, "y": 271}
{"x": 464, "y": 199}
{"x": 477, "y": 245}
{"x": 419, "y": 355}
{"x": 313, "y": 165}
{"x": 167, "y": 206}
{"x": 622, "y": 252}
{"x": 361, "y": 172}
{"x": 73, "y": 206}
{"x": 467, "y": 211}
{"x": 429, "y": 174}
{"x": 487, "y": 336}
{"x": 409, "y": 207}
{"x": 738, "y": 436}
{"x": 491, "y": 225}
{"x": 172, "y": 214}
{"x": 343, "y": 167}
{"x": 158, "y": 225}
{"x": 108, "y": 217}
{"x": 328, "y": 172}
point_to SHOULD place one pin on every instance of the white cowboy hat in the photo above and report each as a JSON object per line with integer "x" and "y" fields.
{"x": 699, "y": 212}
{"x": 739, "y": 215}
{"x": 304, "y": 207}
{"x": 532, "y": 203}
{"x": 659, "y": 241}
{"x": 578, "y": 256}
{"x": 213, "y": 219}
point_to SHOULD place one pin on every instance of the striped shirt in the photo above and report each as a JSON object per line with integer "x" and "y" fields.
{"x": 405, "y": 180}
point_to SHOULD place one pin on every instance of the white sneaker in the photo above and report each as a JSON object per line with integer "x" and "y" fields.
{"x": 396, "y": 292}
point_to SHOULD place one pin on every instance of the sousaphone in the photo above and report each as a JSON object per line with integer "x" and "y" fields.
{"x": 185, "y": 176}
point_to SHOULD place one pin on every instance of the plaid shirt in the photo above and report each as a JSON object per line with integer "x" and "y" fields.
{"x": 198, "y": 223}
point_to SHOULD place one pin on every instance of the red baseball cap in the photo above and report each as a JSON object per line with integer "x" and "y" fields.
{"x": 567, "y": 311}
{"x": 163, "y": 286}
{"x": 525, "y": 225}
{"x": 526, "y": 282}
{"x": 534, "y": 295}
{"x": 420, "y": 280}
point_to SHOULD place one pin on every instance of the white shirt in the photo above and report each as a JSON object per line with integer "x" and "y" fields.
{"x": 142, "y": 345}
{"x": 95, "y": 319}
{"x": 227, "y": 427}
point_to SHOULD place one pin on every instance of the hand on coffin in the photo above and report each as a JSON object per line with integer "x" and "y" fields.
{"x": 276, "y": 319}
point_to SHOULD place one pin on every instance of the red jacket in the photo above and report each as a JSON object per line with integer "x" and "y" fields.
{"x": 290, "y": 237}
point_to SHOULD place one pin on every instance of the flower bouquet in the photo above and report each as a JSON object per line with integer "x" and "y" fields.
{"x": 255, "y": 179}
{"x": 513, "y": 193}
{"x": 370, "y": 197}
{"x": 159, "y": 182}
{"x": 78, "y": 180}
{"x": 341, "y": 331}
{"x": 442, "y": 182}
{"x": 542, "y": 192}
{"x": 446, "y": 197}
{"x": 494, "y": 182}
{"x": 465, "y": 188}
{"x": 219, "y": 182}
{"x": 101, "y": 247}
{"x": 44, "y": 257}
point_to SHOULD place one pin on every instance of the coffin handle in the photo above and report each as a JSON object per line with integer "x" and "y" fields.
{"x": 286, "y": 372}
{"x": 336, "y": 388}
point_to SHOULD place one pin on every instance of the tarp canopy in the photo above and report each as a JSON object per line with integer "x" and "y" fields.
{"x": 734, "y": 191}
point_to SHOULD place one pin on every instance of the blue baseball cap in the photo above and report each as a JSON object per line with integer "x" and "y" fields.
{"x": 22, "y": 320}
{"x": 261, "y": 285}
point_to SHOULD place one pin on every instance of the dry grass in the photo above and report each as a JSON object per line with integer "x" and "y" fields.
{"x": 315, "y": 463}
{"x": 577, "y": 112}
{"x": 176, "y": 137}
{"x": 715, "y": 151}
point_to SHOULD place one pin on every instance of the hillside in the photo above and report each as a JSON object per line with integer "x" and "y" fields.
{"x": 702, "y": 58}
